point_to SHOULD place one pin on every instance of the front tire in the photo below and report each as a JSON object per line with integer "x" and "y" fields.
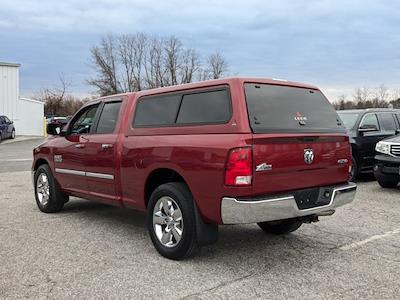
{"x": 388, "y": 183}
{"x": 12, "y": 134}
{"x": 280, "y": 227}
{"x": 171, "y": 221}
{"x": 49, "y": 197}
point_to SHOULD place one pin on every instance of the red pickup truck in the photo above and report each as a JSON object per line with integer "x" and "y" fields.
{"x": 194, "y": 156}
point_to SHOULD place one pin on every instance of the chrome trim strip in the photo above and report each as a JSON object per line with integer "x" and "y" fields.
{"x": 100, "y": 175}
{"x": 235, "y": 211}
{"x": 70, "y": 172}
{"x": 82, "y": 173}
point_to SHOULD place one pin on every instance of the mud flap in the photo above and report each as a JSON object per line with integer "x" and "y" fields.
{"x": 207, "y": 234}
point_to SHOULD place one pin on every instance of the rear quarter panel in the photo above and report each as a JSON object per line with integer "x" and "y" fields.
{"x": 199, "y": 159}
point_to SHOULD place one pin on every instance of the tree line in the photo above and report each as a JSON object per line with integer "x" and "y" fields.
{"x": 58, "y": 101}
{"x": 379, "y": 97}
{"x": 135, "y": 62}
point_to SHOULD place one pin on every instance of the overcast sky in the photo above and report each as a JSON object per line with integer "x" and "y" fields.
{"x": 337, "y": 45}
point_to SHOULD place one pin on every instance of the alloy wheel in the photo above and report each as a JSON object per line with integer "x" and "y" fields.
{"x": 168, "y": 222}
{"x": 43, "y": 189}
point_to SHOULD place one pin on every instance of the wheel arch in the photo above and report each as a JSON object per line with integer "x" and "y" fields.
{"x": 158, "y": 177}
{"x": 354, "y": 151}
{"x": 206, "y": 233}
{"x": 39, "y": 162}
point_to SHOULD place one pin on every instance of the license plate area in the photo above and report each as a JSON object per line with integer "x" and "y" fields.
{"x": 314, "y": 197}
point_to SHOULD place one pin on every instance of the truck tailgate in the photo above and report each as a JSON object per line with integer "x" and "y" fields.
{"x": 292, "y": 161}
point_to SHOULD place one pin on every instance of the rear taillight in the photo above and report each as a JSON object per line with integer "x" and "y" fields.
{"x": 238, "y": 169}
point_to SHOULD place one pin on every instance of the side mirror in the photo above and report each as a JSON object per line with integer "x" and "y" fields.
{"x": 368, "y": 128}
{"x": 63, "y": 131}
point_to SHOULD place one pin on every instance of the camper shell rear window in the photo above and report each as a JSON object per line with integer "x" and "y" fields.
{"x": 276, "y": 108}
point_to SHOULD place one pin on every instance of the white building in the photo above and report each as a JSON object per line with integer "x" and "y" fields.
{"x": 27, "y": 114}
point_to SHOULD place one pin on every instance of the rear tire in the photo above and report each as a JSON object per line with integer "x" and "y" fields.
{"x": 12, "y": 134}
{"x": 171, "y": 221}
{"x": 280, "y": 227}
{"x": 48, "y": 194}
{"x": 388, "y": 183}
{"x": 354, "y": 169}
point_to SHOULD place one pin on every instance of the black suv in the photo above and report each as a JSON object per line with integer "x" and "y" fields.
{"x": 366, "y": 127}
{"x": 387, "y": 166}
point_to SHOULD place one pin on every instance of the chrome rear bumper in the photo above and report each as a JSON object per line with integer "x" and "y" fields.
{"x": 234, "y": 211}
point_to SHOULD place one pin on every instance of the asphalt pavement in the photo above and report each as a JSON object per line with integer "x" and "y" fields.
{"x": 16, "y": 155}
{"x": 90, "y": 250}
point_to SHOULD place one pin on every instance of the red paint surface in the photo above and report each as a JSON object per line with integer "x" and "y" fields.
{"x": 197, "y": 153}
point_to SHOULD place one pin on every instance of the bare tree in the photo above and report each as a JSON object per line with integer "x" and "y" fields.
{"x": 395, "y": 94}
{"x": 133, "y": 62}
{"x": 58, "y": 101}
{"x": 380, "y": 96}
{"x": 105, "y": 61}
{"x": 140, "y": 49}
{"x": 382, "y": 93}
{"x": 361, "y": 96}
{"x": 172, "y": 50}
{"x": 127, "y": 57}
{"x": 53, "y": 97}
{"x": 217, "y": 65}
{"x": 190, "y": 65}
{"x": 342, "y": 102}
{"x": 153, "y": 66}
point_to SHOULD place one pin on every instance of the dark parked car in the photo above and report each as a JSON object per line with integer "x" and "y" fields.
{"x": 195, "y": 156}
{"x": 387, "y": 166}
{"x": 366, "y": 127}
{"x": 7, "y": 129}
{"x": 57, "y": 120}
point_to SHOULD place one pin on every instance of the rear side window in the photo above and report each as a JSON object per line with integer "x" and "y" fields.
{"x": 274, "y": 108}
{"x": 157, "y": 110}
{"x": 206, "y": 107}
{"x": 388, "y": 122}
{"x": 108, "y": 117}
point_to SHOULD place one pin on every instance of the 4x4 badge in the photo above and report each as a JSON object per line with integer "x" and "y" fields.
{"x": 308, "y": 156}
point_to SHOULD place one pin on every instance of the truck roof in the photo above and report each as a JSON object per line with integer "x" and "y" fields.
{"x": 214, "y": 82}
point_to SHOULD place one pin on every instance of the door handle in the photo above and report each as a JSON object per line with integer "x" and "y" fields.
{"x": 80, "y": 146}
{"x": 106, "y": 146}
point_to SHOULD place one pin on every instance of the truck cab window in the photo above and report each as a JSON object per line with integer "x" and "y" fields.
{"x": 84, "y": 121}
